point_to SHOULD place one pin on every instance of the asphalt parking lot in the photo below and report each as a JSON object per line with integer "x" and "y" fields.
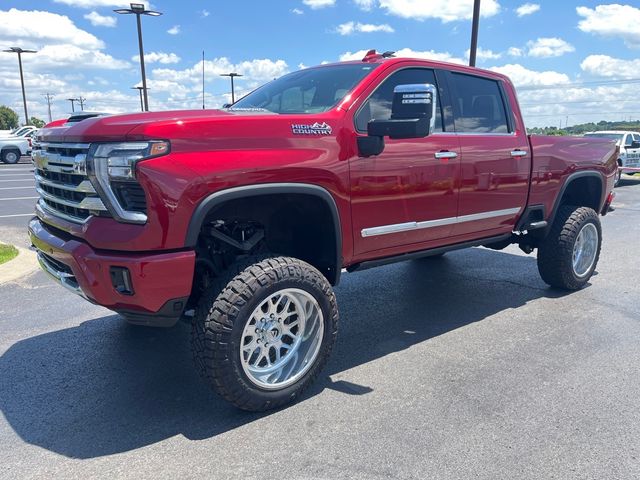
{"x": 17, "y": 198}
{"x": 464, "y": 367}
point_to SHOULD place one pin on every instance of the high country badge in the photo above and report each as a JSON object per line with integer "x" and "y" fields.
{"x": 315, "y": 129}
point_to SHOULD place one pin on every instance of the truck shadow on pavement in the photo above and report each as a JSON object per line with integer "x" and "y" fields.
{"x": 105, "y": 387}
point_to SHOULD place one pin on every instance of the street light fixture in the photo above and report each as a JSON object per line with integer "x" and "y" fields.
{"x": 20, "y": 51}
{"x": 232, "y": 75}
{"x": 140, "y": 92}
{"x": 138, "y": 9}
{"x": 474, "y": 33}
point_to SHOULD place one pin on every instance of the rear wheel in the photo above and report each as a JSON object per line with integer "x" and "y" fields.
{"x": 568, "y": 256}
{"x": 10, "y": 156}
{"x": 263, "y": 339}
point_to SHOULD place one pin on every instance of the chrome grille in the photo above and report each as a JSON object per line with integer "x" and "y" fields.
{"x": 62, "y": 182}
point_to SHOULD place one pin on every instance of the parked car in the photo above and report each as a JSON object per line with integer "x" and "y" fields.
{"x": 242, "y": 219}
{"x": 629, "y": 144}
{"x": 21, "y": 132}
{"x": 12, "y": 148}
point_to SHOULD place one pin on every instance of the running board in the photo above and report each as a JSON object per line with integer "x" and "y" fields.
{"x": 425, "y": 253}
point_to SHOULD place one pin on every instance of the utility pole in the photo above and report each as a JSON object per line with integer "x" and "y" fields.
{"x": 474, "y": 33}
{"x": 140, "y": 92}
{"x": 72, "y": 100}
{"x": 49, "y": 97}
{"x": 20, "y": 51}
{"x": 81, "y": 100}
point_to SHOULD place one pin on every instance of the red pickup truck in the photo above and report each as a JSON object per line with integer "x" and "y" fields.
{"x": 242, "y": 219}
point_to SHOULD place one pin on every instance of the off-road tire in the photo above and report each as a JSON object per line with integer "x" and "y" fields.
{"x": 555, "y": 253}
{"x": 221, "y": 315}
{"x": 10, "y": 156}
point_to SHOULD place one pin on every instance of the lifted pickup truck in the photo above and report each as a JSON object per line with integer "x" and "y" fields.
{"x": 243, "y": 219}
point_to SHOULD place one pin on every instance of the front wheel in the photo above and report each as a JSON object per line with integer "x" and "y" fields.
{"x": 263, "y": 339}
{"x": 10, "y": 156}
{"x": 568, "y": 256}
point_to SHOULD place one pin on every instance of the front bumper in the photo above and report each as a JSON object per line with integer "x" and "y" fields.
{"x": 161, "y": 283}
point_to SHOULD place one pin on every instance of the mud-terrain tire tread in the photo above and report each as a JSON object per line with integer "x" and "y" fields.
{"x": 220, "y": 312}
{"x": 555, "y": 253}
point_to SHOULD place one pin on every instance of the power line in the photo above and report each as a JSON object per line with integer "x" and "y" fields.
{"x": 580, "y": 84}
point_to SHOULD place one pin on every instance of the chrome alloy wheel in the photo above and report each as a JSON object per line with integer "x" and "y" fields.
{"x": 282, "y": 338}
{"x": 585, "y": 250}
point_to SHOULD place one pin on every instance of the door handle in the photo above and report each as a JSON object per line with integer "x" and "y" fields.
{"x": 445, "y": 155}
{"x": 518, "y": 153}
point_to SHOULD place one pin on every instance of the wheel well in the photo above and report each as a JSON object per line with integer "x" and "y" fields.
{"x": 585, "y": 191}
{"x": 298, "y": 225}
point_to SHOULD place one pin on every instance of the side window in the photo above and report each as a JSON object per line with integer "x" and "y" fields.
{"x": 636, "y": 138}
{"x": 479, "y": 106}
{"x": 378, "y": 104}
{"x": 628, "y": 139}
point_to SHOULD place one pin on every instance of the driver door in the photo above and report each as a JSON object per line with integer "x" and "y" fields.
{"x": 408, "y": 194}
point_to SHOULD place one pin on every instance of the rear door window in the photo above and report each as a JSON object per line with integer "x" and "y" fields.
{"x": 478, "y": 106}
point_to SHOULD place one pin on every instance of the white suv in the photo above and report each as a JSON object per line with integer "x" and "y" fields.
{"x": 629, "y": 143}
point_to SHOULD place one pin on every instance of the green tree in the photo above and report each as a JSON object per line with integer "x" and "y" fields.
{"x": 36, "y": 122}
{"x": 8, "y": 118}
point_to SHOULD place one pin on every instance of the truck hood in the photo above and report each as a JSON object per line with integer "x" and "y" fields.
{"x": 203, "y": 130}
{"x": 118, "y": 127}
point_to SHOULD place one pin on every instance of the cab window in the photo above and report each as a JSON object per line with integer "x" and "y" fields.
{"x": 478, "y": 106}
{"x": 378, "y": 105}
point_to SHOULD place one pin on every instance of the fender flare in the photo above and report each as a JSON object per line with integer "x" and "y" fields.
{"x": 217, "y": 198}
{"x": 567, "y": 182}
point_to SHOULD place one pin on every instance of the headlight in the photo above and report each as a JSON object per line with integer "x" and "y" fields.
{"x": 115, "y": 163}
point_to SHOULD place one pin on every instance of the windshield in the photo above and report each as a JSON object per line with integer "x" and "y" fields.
{"x": 311, "y": 90}
{"x": 613, "y": 136}
{"x": 20, "y": 131}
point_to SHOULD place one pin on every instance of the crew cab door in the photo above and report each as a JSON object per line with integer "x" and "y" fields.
{"x": 406, "y": 194}
{"x": 495, "y": 156}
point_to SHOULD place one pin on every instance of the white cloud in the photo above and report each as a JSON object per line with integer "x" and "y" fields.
{"x": 100, "y": 3}
{"x": 71, "y": 56}
{"x": 98, "y": 20}
{"x": 255, "y": 71}
{"x": 365, "y": 5}
{"x": 614, "y": 20}
{"x": 32, "y": 27}
{"x": 527, "y": 9}
{"x": 59, "y": 43}
{"x": 205, "y": 13}
{"x": 158, "y": 57}
{"x": 606, "y": 66}
{"x": 523, "y": 77}
{"x": 515, "y": 52}
{"x": 408, "y": 53}
{"x": 349, "y": 28}
{"x": 316, "y": 4}
{"x": 297, "y": 11}
{"x": 175, "y": 30}
{"x": 483, "y": 55}
{"x": 444, "y": 10}
{"x": 549, "y": 47}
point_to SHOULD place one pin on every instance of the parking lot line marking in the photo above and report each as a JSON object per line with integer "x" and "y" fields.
{"x": 18, "y": 215}
{"x": 18, "y": 180}
{"x": 17, "y": 174}
{"x": 15, "y": 188}
{"x": 19, "y": 198}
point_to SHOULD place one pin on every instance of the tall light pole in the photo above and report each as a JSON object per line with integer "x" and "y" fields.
{"x": 138, "y": 9}
{"x": 20, "y": 51}
{"x": 73, "y": 100}
{"x": 232, "y": 75}
{"x": 474, "y": 33}
{"x": 140, "y": 92}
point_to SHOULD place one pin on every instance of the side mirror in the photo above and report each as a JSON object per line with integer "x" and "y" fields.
{"x": 413, "y": 113}
{"x": 226, "y": 105}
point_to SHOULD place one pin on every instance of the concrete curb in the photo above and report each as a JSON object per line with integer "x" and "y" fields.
{"x": 20, "y": 266}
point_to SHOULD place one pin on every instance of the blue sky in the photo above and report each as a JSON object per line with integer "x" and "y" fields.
{"x": 589, "y": 49}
